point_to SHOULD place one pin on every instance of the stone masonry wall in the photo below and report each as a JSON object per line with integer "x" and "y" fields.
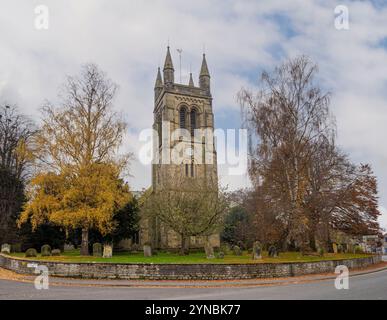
{"x": 184, "y": 271}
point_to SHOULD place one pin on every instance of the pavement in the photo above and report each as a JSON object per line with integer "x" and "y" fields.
{"x": 363, "y": 284}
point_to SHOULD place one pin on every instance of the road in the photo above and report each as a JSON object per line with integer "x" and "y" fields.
{"x": 365, "y": 286}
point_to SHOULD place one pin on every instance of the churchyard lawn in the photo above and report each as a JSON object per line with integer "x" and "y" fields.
{"x": 196, "y": 257}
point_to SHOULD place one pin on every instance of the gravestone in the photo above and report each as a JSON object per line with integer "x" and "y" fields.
{"x": 16, "y": 247}
{"x": 55, "y": 252}
{"x": 209, "y": 250}
{"x": 6, "y": 248}
{"x": 273, "y": 251}
{"x": 107, "y": 251}
{"x": 45, "y": 250}
{"x": 97, "y": 249}
{"x": 135, "y": 247}
{"x": 257, "y": 250}
{"x": 237, "y": 251}
{"x": 68, "y": 247}
{"x": 340, "y": 249}
{"x": 334, "y": 247}
{"x": 31, "y": 252}
{"x": 147, "y": 250}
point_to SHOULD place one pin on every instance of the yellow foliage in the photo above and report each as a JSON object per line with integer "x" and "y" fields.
{"x": 87, "y": 198}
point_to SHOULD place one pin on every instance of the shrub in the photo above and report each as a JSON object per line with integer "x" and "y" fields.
{"x": 225, "y": 248}
{"x": 358, "y": 249}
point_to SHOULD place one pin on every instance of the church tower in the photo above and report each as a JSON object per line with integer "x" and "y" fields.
{"x": 181, "y": 106}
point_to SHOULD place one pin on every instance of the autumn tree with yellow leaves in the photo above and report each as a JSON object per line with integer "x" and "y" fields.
{"x": 79, "y": 182}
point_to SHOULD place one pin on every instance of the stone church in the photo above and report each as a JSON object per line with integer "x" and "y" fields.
{"x": 180, "y": 106}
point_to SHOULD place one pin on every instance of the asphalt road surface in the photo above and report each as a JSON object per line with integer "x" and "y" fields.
{"x": 366, "y": 286}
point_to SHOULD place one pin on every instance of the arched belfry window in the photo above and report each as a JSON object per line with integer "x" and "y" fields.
{"x": 182, "y": 117}
{"x": 193, "y": 117}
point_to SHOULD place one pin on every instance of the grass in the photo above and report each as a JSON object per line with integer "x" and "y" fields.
{"x": 197, "y": 257}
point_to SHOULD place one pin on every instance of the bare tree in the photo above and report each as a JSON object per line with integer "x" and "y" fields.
{"x": 190, "y": 207}
{"x": 295, "y": 161}
{"x": 16, "y": 131}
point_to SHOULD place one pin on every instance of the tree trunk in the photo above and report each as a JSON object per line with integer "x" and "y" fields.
{"x": 85, "y": 242}
{"x": 184, "y": 246}
{"x": 312, "y": 238}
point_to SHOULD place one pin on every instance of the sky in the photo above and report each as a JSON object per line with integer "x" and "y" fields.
{"x": 128, "y": 40}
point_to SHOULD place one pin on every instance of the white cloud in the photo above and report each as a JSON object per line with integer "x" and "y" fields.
{"x": 128, "y": 39}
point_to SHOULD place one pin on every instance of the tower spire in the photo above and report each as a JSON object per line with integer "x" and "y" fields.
{"x": 168, "y": 70}
{"x": 204, "y": 77}
{"x": 158, "y": 83}
{"x": 159, "y": 80}
{"x": 191, "y": 83}
{"x": 204, "y": 69}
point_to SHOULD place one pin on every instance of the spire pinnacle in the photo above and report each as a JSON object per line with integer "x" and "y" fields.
{"x": 159, "y": 80}
{"x": 169, "y": 71}
{"x": 204, "y": 69}
{"x": 168, "y": 61}
{"x": 191, "y": 83}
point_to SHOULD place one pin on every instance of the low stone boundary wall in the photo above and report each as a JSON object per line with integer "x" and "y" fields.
{"x": 183, "y": 271}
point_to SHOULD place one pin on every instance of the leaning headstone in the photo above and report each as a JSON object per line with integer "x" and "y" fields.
{"x": 31, "y": 252}
{"x": 237, "y": 251}
{"x": 209, "y": 250}
{"x": 97, "y": 249}
{"x": 107, "y": 251}
{"x": 6, "y": 248}
{"x": 257, "y": 250}
{"x": 334, "y": 247}
{"x": 55, "y": 252}
{"x": 147, "y": 250}
{"x": 273, "y": 251}
{"x": 45, "y": 250}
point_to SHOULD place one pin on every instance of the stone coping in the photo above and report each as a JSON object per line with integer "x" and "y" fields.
{"x": 199, "y": 271}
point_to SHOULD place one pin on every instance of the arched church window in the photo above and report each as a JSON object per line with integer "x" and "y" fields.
{"x": 182, "y": 117}
{"x": 192, "y": 170}
{"x": 193, "y": 121}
